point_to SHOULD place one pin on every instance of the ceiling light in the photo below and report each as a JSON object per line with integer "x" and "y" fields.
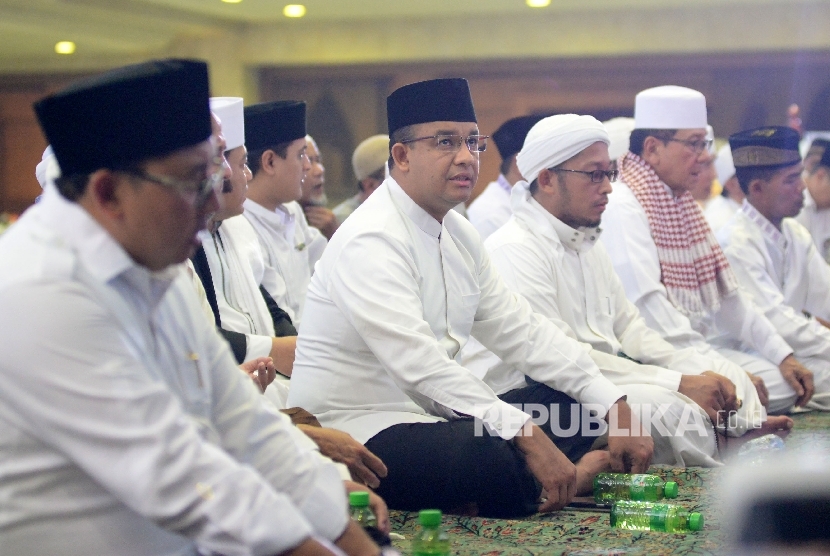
{"x": 231, "y": 1}
{"x": 65, "y": 47}
{"x": 293, "y": 10}
{"x": 538, "y": 3}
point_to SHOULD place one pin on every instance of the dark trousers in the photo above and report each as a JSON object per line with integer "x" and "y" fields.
{"x": 446, "y": 465}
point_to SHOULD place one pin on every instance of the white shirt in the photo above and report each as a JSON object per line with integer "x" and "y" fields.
{"x": 125, "y": 426}
{"x": 242, "y": 309}
{"x": 784, "y": 274}
{"x": 346, "y": 208}
{"x": 817, "y": 222}
{"x": 290, "y": 248}
{"x": 490, "y": 210}
{"x": 627, "y": 239}
{"x": 380, "y": 342}
{"x": 567, "y": 276}
{"x": 719, "y": 210}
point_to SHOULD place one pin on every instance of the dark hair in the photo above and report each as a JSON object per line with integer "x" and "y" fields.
{"x": 638, "y": 138}
{"x": 72, "y": 187}
{"x": 748, "y": 174}
{"x": 504, "y": 168}
{"x": 255, "y": 157}
{"x": 400, "y": 135}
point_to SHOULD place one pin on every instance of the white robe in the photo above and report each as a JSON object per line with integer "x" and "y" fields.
{"x": 139, "y": 435}
{"x": 393, "y": 300}
{"x": 490, "y": 210}
{"x": 719, "y": 210}
{"x": 290, "y": 248}
{"x": 567, "y": 277}
{"x": 817, "y": 222}
{"x": 785, "y": 275}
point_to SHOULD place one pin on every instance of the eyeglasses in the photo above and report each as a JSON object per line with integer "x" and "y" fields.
{"x": 697, "y": 146}
{"x": 596, "y": 175}
{"x": 202, "y": 189}
{"x": 452, "y": 143}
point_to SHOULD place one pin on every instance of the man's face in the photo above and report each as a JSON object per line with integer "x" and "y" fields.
{"x": 438, "y": 180}
{"x": 313, "y": 192}
{"x": 159, "y": 223}
{"x": 575, "y": 199}
{"x": 702, "y": 188}
{"x": 783, "y": 193}
{"x": 238, "y": 182}
{"x": 818, "y": 182}
{"x": 290, "y": 171}
{"x": 677, "y": 163}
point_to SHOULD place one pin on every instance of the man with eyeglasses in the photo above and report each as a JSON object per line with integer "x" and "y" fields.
{"x": 400, "y": 289}
{"x": 548, "y": 252}
{"x": 139, "y": 434}
{"x": 775, "y": 259}
{"x": 670, "y": 264}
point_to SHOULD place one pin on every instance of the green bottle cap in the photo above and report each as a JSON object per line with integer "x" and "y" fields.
{"x": 695, "y": 521}
{"x": 670, "y": 490}
{"x": 359, "y": 498}
{"x": 430, "y": 518}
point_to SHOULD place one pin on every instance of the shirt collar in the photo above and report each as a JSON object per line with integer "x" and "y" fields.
{"x": 279, "y": 217}
{"x": 99, "y": 253}
{"x": 769, "y": 231}
{"x": 419, "y": 216}
{"x": 502, "y": 181}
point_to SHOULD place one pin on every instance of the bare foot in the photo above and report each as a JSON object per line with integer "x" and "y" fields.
{"x": 779, "y": 425}
{"x": 588, "y": 467}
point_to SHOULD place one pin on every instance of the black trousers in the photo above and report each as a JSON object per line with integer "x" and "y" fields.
{"x": 446, "y": 465}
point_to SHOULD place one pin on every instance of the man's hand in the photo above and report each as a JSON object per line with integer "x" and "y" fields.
{"x": 761, "y": 388}
{"x": 549, "y": 465}
{"x": 282, "y": 352}
{"x": 714, "y": 393}
{"x": 321, "y": 218}
{"x": 631, "y": 453}
{"x": 799, "y": 378}
{"x": 261, "y": 370}
{"x": 364, "y": 466}
{"x": 375, "y": 502}
{"x": 355, "y": 542}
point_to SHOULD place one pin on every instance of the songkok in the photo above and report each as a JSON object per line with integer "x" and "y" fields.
{"x": 619, "y": 131}
{"x": 769, "y": 146}
{"x": 510, "y": 136}
{"x": 270, "y": 123}
{"x": 370, "y": 156}
{"x": 47, "y": 170}
{"x": 669, "y": 107}
{"x": 437, "y": 100}
{"x": 556, "y": 139}
{"x": 723, "y": 164}
{"x": 230, "y": 113}
{"x": 127, "y": 115}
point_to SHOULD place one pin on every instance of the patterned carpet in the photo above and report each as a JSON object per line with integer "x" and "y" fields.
{"x": 589, "y": 532}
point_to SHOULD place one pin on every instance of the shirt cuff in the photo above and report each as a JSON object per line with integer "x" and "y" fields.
{"x": 258, "y": 346}
{"x": 777, "y": 351}
{"x": 602, "y": 394}
{"x": 504, "y": 420}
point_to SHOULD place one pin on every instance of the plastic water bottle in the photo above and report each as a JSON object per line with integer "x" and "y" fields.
{"x": 360, "y": 510}
{"x": 654, "y": 516}
{"x": 431, "y": 540}
{"x": 759, "y": 450}
{"x": 610, "y": 487}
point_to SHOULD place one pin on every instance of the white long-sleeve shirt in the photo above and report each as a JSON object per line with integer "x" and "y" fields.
{"x": 491, "y": 209}
{"x": 784, "y": 274}
{"x": 627, "y": 239}
{"x": 125, "y": 426}
{"x": 817, "y": 222}
{"x": 567, "y": 276}
{"x": 290, "y": 248}
{"x": 719, "y": 210}
{"x": 393, "y": 300}
{"x": 242, "y": 309}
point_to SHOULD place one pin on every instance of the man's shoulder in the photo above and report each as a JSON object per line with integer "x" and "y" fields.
{"x": 798, "y": 233}
{"x": 514, "y": 233}
{"x": 31, "y": 252}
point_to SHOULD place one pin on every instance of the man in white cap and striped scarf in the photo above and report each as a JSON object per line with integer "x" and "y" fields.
{"x": 670, "y": 263}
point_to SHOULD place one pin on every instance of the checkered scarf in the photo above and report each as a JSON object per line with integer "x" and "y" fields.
{"x": 693, "y": 267}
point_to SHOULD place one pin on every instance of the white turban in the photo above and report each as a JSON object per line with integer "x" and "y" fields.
{"x": 619, "y": 130}
{"x": 556, "y": 139}
{"x": 47, "y": 169}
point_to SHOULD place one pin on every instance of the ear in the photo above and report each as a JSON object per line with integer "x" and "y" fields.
{"x": 399, "y": 155}
{"x": 545, "y": 181}
{"x": 105, "y": 190}
{"x": 267, "y": 162}
{"x": 651, "y": 150}
{"x": 756, "y": 187}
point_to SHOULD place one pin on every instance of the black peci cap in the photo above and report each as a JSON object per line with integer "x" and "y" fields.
{"x": 437, "y": 100}
{"x": 271, "y": 123}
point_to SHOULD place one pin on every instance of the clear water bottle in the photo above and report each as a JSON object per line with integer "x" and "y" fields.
{"x": 610, "y": 487}
{"x": 759, "y": 450}
{"x": 360, "y": 510}
{"x": 654, "y": 516}
{"x": 431, "y": 540}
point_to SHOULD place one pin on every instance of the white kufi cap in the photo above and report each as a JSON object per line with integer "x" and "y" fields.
{"x": 724, "y": 167}
{"x": 556, "y": 139}
{"x": 47, "y": 170}
{"x": 370, "y": 156}
{"x": 229, "y": 110}
{"x": 619, "y": 130}
{"x": 670, "y": 107}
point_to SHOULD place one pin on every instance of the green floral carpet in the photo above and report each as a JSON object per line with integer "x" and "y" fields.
{"x": 589, "y": 532}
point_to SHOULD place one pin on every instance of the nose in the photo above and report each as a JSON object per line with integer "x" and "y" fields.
{"x": 605, "y": 187}
{"x": 464, "y": 156}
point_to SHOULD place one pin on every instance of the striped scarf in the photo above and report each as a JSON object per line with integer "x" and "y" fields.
{"x": 693, "y": 267}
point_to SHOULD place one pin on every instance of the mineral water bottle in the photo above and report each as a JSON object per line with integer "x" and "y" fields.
{"x": 360, "y": 510}
{"x": 431, "y": 540}
{"x": 758, "y": 450}
{"x": 654, "y": 516}
{"x": 610, "y": 487}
